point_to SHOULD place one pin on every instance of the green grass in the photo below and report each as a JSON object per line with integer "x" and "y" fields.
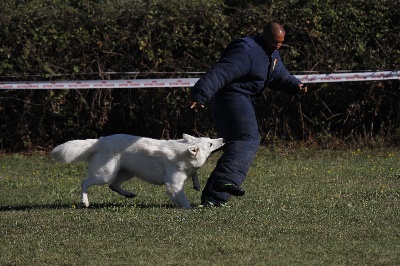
{"x": 302, "y": 207}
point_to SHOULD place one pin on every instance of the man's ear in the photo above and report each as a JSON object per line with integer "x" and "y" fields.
{"x": 187, "y": 137}
{"x": 194, "y": 150}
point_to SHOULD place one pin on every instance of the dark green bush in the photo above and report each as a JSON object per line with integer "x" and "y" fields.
{"x": 104, "y": 39}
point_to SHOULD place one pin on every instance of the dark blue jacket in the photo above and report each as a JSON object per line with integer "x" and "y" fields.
{"x": 245, "y": 67}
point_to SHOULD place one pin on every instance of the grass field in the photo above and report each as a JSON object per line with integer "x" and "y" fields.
{"x": 302, "y": 207}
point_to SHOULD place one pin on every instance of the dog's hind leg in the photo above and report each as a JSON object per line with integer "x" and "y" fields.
{"x": 115, "y": 185}
{"x": 86, "y": 183}
{"x": 102, "y": 170}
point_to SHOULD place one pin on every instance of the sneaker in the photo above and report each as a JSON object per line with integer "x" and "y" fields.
{"x": 206, "y": 203}
{"x": 224, "y": 186}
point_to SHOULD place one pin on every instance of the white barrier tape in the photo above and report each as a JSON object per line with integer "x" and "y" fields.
{"x": 101, "y": 84}
{"x": 186, "y": 82}
{"x": 343, "y": 77}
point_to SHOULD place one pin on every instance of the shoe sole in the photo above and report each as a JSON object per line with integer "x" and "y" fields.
{"x": 231, "y": 189}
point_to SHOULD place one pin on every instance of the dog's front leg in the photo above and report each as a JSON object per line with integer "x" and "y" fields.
{"x": 176, "y": 193}
{"x": 196, "y": 182}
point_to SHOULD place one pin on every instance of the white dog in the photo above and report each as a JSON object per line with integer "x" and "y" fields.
{"x": 118, "y": 158}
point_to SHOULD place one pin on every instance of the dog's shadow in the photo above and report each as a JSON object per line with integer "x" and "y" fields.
{"x": 80, "y": 206}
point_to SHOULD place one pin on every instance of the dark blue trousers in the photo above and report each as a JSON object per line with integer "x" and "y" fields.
{"x": 236, "y": 122}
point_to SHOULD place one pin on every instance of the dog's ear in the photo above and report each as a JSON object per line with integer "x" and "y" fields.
{"x": 194, "y": 150}
{"x": 188, "y": 138}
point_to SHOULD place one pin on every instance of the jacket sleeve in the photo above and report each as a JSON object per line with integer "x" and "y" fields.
{"x": 282, "y": 80}
{"x": 235, "y": 63}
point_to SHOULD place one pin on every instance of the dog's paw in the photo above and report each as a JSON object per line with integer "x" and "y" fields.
{"x": 130, "y": 195}
{"x": 85, "y": 200}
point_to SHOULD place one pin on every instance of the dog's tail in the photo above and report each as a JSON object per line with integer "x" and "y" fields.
{"x": 74, "y": 151}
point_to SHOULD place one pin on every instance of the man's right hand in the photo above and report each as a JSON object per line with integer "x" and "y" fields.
{"x": 303, "y": 89}
{"x": 193, "y": 103}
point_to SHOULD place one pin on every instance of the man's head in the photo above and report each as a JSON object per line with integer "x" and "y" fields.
{"x": 273, "y": 36}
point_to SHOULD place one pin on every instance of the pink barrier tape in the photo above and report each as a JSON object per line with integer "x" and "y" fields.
{"x": 185, "y": 82}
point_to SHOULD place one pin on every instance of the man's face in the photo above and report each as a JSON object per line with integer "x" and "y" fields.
{"x": 274, "y": 40}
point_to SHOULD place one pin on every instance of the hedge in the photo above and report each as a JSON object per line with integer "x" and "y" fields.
{"x": 75, "y": 40}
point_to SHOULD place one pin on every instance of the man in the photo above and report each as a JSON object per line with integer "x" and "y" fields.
{"x": 246, "y": 67}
